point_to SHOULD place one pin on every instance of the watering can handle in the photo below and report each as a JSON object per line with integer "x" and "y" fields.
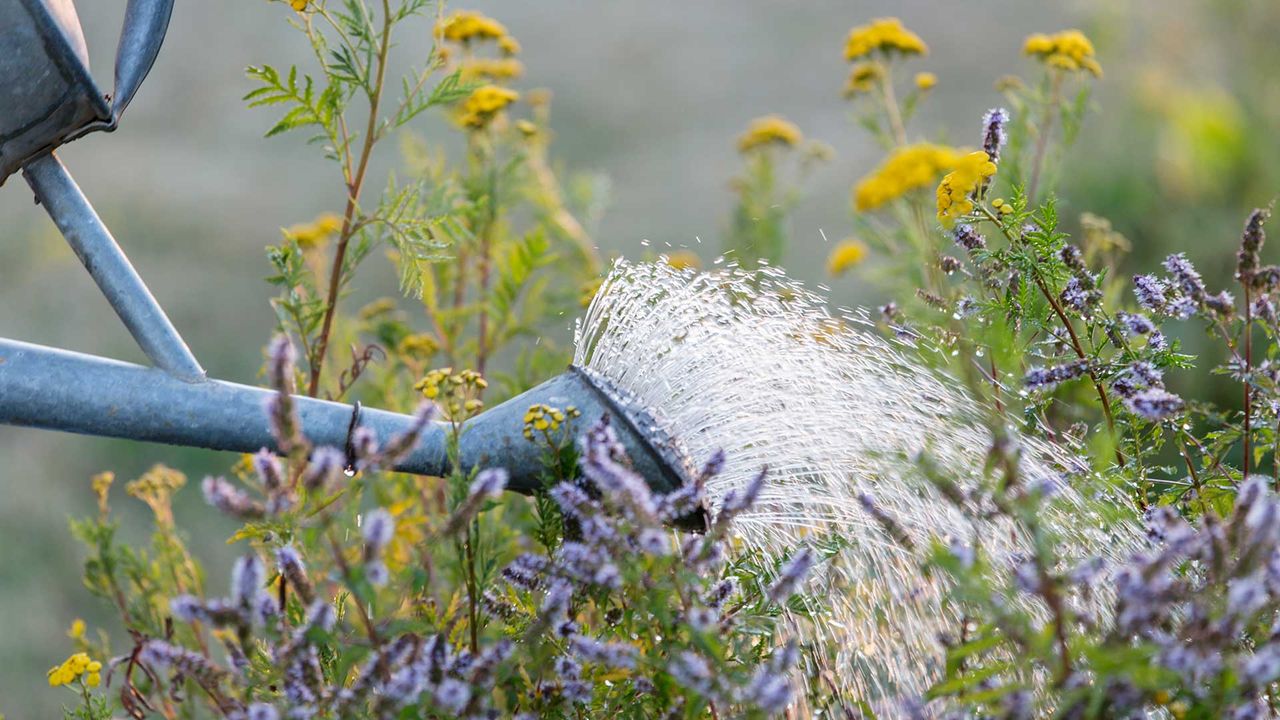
{"x": 145, "y": 23}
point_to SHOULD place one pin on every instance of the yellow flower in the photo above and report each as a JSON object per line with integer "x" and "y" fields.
{"x": 76, "y": 632}
{"x": 684, "y": 260}
{"x": 769, "y": 130}
{"x": 926, "y": 80}
{"x": 863, "y": 77}
{"x": 886, "y": 35}
{"x": 299, "y": 5}
{"x": 1068, "y": 50}
{"x": 484, "y": 103}
{"x": 845, "y": 255}
{"x": 418, "y": 345}
{"x": 509, "y": 45}
{"x": 101, "y": 484}
{"x": 315, "y": 233}
{"x": 908, "y": 168}
{"x": 959, "y": 184}
{"x": 73, "y": 667}
{"x": 464, "y": 26}
{"x": 492, "y": 68}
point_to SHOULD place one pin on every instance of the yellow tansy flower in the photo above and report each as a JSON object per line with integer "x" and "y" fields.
{"x": 863, "y": 77}
{"x": 492, "y": 68}
{"x": 926, "y": 80}
{"x": 769, "y": 130}
{"x": 1068, "y": 50}
{"x": 464, "y": 26}
{"x": 886, "y": 35}
{"x": 315, "y": 233}
{"x": 908, "y": 168}
{"x": 845, "y": 255}
{"x": 509, "y": 45}
{"x": 959, "y": 184}
{"x": 299, "y": 5}
{"x": 485, "y": 103}
{"x": 76, "y": 632}
{"x": 684, "y": 260}
{"x": 72, "y": 668}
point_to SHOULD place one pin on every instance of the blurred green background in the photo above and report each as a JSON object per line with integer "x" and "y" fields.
{"x": 1182, "y": 143}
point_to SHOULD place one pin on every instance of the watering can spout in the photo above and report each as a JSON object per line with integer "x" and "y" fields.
{"x": 145, "y": 23}
{"x": 61, "y": 390}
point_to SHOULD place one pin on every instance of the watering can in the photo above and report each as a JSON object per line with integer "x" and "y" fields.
{"x": 48, "y": 98}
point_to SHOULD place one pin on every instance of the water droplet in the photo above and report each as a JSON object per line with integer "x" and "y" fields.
{"x": 349, "y": 472}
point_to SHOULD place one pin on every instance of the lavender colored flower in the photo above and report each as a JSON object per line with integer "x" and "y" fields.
{"x": 525, "y": 572}
{"x": 293, "y": 570}
{"x": 1263, "y": 309}
{"x": 968, "y": 238}
{"x": 163, "y": 655}
{"x": 376, "y": 573}
{"x": 1262, "y": 667}
{"x": 378, "y": 529}
{"x": 1223, "y": 303}
{"x": 993, "y": 132}
{"x": 1137, "y": 377}
{"x": 1135, "y": 324}
{"x": 229, "y": 499}
{"x": 187, "y": 608}
{"x": 1046, "y": 378}
{"x": 566, "y": 668}
{"x": 791, "y": 574}
{"x": 452, "y": 694}
{"x": 262, "y": 711}
{"x": 576, "y": 691}
{"x": 1150, "y": 292}
{"x": 1251, "y": 241}
{"x": 962, "y": 552}
{"x": 268, "y": 469}
{"x": 322, "y": 468}
{"x": 720, "y": 592}
{"x": 702, "y": 619}
{"x": 488, "y": 484}
{"x": 247, "y": 578}
{"x": 320, "y": 615}
{"x": 691, "y": 671}
{"x": 1245, "y": 596}
{"x": 1076, "y": 296}
{"x": 1154, "y": 404}
{"x": 885, "y": 520}
{"x": 1185, "y": 276}
{"x": 614, "y": 655}
{"x": 654, "y": 541}
{"x": 740, "y": 499}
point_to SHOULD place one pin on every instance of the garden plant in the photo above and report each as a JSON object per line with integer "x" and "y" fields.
{"x": 1089, "y": 544}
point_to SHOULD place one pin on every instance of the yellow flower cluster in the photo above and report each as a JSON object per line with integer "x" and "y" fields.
{"x": 485, "y": 103}
{"x": 1069, "y": 50}
{"x": 863, "y": 77}
{"x": 769, "y": 130}
{"x": 101, "y": 484}
{"x": 959, "y": 184}
{"x": 1002, "y": 206}
{"x": 544, "y": 418}
{"x": 73, "y": 668}
{"x": 506, "y": 68}
{"x": 845, "y": 255}
{"x": 464, "y": 26}
{"x": 456, "y": 392}
{"x": 315, "y": 233}
{"x": 886, "y": 35}
{"x": 908, "y": 168}
{"x": 418, "y": 345}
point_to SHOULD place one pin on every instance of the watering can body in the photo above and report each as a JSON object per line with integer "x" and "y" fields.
{"x": 47, "y": 95}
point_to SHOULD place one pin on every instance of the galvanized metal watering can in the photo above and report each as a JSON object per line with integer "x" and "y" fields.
{"x": 48, "y": 98}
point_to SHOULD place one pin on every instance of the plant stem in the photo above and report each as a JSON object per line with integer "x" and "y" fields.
{"x": 486, "y": 264}
{"x": 1042, "y": 137}
{"x": 891, "y": 108}
{"x": 1248, "y": 372}
{"x": 353, "y": 200}
{"x": 1076, "y": 345}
